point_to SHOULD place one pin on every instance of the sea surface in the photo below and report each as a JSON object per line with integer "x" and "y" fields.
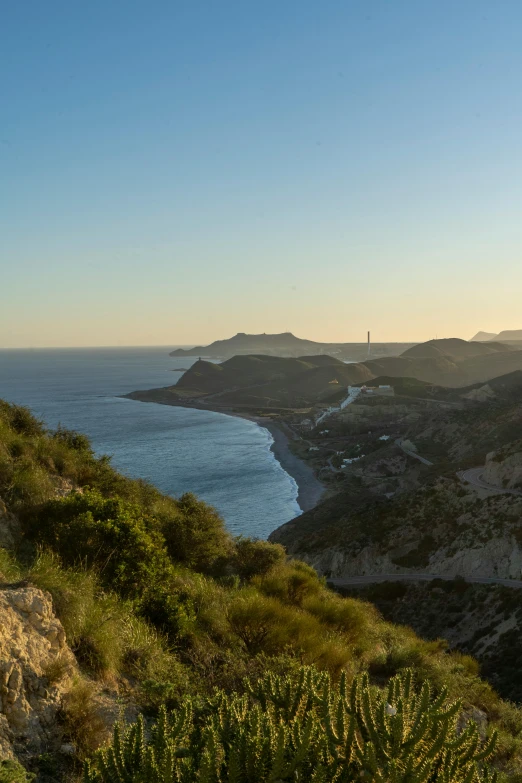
{"x": 223, "y": 459}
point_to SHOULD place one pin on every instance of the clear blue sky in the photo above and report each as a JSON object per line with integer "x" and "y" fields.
{"x": 175, "y": 172}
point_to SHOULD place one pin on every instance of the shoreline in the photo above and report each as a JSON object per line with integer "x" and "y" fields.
{"x": 309, "y": 489}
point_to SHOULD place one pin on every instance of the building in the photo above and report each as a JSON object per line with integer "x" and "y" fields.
{"x": 384, "y": 390}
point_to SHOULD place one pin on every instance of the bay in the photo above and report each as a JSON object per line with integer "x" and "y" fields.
{"x": 224, "y": 460}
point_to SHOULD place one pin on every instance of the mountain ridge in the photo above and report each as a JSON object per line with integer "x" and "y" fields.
{"x": 286, "y": 344}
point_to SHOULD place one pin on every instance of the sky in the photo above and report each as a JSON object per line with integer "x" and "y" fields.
{"x": 175, "y": 172}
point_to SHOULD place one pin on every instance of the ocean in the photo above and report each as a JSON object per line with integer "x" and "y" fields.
{"x": 224, "y": 460}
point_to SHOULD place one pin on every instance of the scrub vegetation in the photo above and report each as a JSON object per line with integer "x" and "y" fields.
{"x": 160, "y": 601}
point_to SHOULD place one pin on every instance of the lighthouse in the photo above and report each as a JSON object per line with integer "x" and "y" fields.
{"x": 369, "y": 344}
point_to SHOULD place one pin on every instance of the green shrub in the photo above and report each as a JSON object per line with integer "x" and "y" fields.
{"x": 84, "y": 724}
{"x": 256, "y": 558}
{"x": 9, "y": 569}
{"x": 109, "y": 534}
{"x": 20, "y": 419}
{"x": 28, "y": 483}
{"x": 73, "y": 440}
{"x": 104, "y": 632}
{"x": 352, "y": 618}
{"x": 291, "y": 582}
{"x": 302, "y": 729}
{"x": 13, "y": 772}
{"x": 196, "y": 535}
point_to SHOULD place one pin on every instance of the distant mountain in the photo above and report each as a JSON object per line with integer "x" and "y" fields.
{"x": 482, "y": 337}
{"x": 507, "y": 336}
{"x": 510, "y": 335}
{"x": 288, "y": 345}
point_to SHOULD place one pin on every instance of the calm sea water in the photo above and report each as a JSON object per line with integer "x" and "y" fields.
{"x": 224, "y": 460}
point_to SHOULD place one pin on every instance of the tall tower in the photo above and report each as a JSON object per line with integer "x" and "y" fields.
{"x": 369, "y": 344}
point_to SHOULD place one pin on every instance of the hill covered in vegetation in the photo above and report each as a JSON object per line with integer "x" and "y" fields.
{"x": 453, "y": 363}
{"x": 454, "y": 348}
{"x": 164, "y": 610}
{"x": 258, "y": 381}
{"x": 262, "y": 381}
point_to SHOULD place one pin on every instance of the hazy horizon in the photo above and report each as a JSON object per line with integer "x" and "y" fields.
{"x": 170, "y": 346}
{"x": 172, "y": 174}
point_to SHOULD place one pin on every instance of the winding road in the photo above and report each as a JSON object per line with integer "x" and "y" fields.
{"x": 474, "y": 476}
{"x": 361, "y": 581}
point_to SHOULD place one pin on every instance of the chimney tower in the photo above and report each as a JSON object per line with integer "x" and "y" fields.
{"x": 369, "y": 344}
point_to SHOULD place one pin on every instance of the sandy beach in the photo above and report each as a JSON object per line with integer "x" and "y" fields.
{"x": 309, "y": 489}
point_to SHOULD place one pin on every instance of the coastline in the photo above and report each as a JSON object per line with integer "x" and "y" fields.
{"x": 309, "y": 489}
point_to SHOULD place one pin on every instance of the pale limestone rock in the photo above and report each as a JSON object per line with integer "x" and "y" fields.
{"x": 31, "y": 639}
{"x": 504, "y": 468}
{"x": 482, "y": 394}
{"x": 499, "y": 557}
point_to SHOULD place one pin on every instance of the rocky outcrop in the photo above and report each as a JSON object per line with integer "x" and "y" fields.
{"x": 499, "y": 557}
{"x": 482, "y": 394}
{"x": 443, "y": 529}
{"x": 36, "y": 668}
{"x": 504, "y": 468}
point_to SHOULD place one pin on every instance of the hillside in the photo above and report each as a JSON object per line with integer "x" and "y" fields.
{"x": 510, "y": 335}
{"x": 441, "y": 370}
{"x": 454, "y": 348}
{"x": 451, "y": 363}
{"x": 480, "y": 620}
{"x": 484, "y": 368}
{"x": 262, "y": 381}
{"x": 392, "y": 514}
{"x": 454, "y": 428}
{"x": 287, "y": 345}
{"x": 442, "y": 528}
{"x": 161, "y": 606}
{"x": 240, "y": 371}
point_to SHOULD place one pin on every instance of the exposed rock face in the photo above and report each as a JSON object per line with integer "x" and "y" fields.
{"x": 443, "y": 529}
{"x": 504, "y": 467}
{"x": 482, "y": 394}
{"x": 499, "y": 557}
{"x": 36, "y": 666}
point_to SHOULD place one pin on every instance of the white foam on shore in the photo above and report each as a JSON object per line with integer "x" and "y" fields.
{"x": 270, "y": 440}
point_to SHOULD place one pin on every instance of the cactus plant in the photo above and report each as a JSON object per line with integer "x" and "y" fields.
{"x": 302, "y": 728}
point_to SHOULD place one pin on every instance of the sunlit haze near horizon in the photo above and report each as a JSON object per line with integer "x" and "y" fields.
{"x": 174, "y": 173}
